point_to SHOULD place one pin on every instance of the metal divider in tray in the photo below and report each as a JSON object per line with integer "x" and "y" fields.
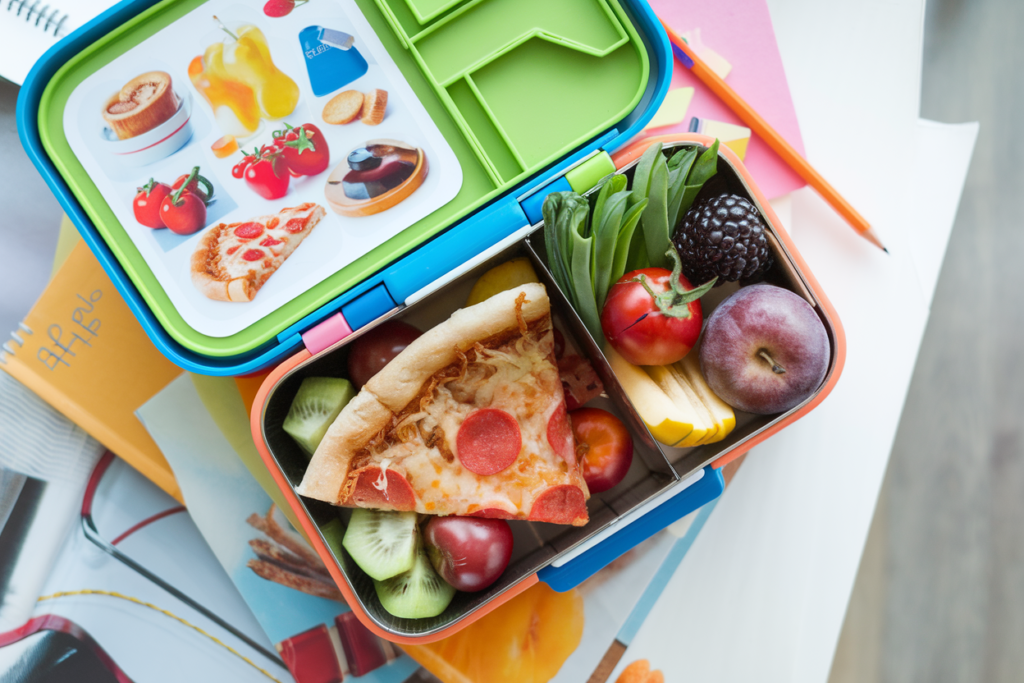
{"x": 656, "y": 473}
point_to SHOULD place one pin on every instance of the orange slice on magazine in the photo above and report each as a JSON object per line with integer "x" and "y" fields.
{"x": 526, "y": 640}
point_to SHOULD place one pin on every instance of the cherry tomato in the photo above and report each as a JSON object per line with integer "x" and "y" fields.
{"x": 305, "y": 149}
{"x": 470, "y": 553}
{"x": 238, "y": 170}
{"x": 267, "y": 175}
{"x": 278, "y": 8}
{"x": 205, "y": 192}
{"x": 606, "y": 444}
{"x": 146, "y": 204}
{"x": 651, "y": 320}
{"x": 184, "y": 211}
{"x": 375, "y": 349}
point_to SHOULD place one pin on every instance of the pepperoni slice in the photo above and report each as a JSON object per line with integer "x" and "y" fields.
{"x": 560, "y": 435}
{"x": 295, "y": 225}
{"x": 253, "y": 255}
{"x": 232, "y": 250}
{"x": 272, "y": 223}
{"x": 564, "y": 504}
{"x": 248, "y": 231}
{"x": 488, "y": 441}
{"x": 270, "y": 242}
{"x": 396, "y": 495}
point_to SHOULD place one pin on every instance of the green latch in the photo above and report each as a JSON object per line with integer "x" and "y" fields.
{"x": 586, "y": 175}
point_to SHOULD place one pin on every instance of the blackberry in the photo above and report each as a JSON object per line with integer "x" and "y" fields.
{"x": 723, "y": 236}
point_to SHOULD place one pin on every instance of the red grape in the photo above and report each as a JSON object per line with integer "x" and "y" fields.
{"x": 470, "y": 553}
{"x": 375, "y": 349}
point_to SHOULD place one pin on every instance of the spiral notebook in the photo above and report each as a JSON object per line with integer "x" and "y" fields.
{"x": 28, "y": 28}
{"x": 83, "y": 352}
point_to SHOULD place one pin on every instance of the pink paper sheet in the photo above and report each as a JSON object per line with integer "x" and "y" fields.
{"x": 741, "y": 31}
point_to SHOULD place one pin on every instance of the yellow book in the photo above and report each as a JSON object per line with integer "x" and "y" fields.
{"x": 83, "y": 352}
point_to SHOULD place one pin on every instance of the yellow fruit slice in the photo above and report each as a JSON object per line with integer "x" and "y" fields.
{"x": 721, "y": 412}
{"x": 502, "y": 277}
{"x": 695, "y": 400}
{"x": 666, "y": 422}
{"x": 526, "y": 640}
{"x": 662, "y": 376}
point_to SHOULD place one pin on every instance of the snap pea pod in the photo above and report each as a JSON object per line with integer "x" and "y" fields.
{"x": 570, "y": 249}
{"x": 672, "y": 186}
{"x": 606, "y": 222}
{"x": 705, "y": 167}
{"x": 591, "y": 244}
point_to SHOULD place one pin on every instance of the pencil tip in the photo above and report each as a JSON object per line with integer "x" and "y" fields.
{"x": 870, "y": 236}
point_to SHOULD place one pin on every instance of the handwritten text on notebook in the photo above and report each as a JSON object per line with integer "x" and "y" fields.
{"x": 85, "y": 323}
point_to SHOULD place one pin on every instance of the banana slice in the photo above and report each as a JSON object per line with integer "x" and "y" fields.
{"x": 721, "y": 412}
{"x": 668, "y": 424}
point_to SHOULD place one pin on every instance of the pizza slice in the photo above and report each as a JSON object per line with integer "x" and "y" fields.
{"x": 234, "y": 260}
{"x": 469, "y": 420}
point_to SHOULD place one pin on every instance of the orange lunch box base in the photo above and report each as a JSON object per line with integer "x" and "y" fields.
{"x": 621, "y": 159}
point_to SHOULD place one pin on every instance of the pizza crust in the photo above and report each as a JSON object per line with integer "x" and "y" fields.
{"x": 205, "y": 279}
{"x": 213, "y": 281}
{"x": 401, "y": 379}
{"x": 390, "y": 390}
{"x": 361, "y": 419}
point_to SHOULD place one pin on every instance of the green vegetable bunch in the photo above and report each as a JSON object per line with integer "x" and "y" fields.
{"x": 591, "y": 246}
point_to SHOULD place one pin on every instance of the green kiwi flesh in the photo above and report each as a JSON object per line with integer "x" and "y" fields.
{"x": 314, "y": 408}
{"x": 417, "y": 593}
{"x": 382, "y": 542}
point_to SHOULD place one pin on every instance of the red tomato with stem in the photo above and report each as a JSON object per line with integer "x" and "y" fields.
{"x": 183, "y": 211}
{"x": 199, "y": 186}
{"x": 606, "y": 446}
{"x": 268, "y": 175}
{"x": 305, "y": 149}
{"x": 146, "y": 204}
{"x": 375, "y": 349}
{"x": 652, "y": 316}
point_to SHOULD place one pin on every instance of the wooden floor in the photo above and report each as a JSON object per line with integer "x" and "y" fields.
{"x": 940, "y": 593}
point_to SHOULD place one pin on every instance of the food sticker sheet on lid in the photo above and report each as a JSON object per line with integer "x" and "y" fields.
{"x": 248, "y": 157}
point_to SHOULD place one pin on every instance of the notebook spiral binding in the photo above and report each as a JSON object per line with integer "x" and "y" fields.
{"x": 45, "y": 16}
{"x": 6, "y": 348}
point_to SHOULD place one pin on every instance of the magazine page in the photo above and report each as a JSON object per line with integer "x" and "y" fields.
{"x": 295, "y": 141}
{"x": 134, "y": 595}
{"x": 561, "y": 637}
{"x": 282, "y": 579}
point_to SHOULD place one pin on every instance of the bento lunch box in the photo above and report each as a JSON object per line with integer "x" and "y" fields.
{"x": 521, "y": 90}
{"x": 527, "y": 111}
{"x": 662, "y": 485}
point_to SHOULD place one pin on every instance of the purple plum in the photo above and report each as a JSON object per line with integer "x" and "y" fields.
{"x": 764, "y": 350}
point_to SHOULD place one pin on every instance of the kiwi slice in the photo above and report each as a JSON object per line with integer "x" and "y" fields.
{"x": 314, "y": 408}
{"x": 382, "y": 542}
{"x": 417, "y": 593}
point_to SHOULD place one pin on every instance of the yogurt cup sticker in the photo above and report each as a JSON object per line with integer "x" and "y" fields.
{"x": 305, "y": 145}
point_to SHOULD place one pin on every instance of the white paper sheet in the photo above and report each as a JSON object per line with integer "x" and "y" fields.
{"x": 763, "y": 593}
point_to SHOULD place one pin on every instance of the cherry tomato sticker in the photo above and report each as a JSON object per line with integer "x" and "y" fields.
{"x": 184, "y": 211}
{"x": 267, "y": 175}
{"x": 146, "y": 204}
{"x": 305, "y": 149}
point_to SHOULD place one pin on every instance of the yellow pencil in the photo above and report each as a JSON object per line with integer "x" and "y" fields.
{"x": 778, "y": 144}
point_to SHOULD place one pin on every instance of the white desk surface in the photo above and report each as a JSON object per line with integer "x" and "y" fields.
{"x": 762, "y": 594}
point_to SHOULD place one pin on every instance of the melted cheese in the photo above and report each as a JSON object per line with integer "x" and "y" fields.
{"x": 519, "y": 379}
